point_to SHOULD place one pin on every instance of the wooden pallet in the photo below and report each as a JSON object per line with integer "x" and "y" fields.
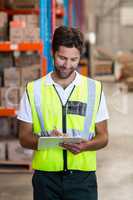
{"x": 105, "y": 78}
{"x": 15, "y": 167}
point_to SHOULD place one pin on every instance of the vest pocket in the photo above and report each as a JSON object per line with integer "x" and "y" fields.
{"x": 76, "y": 108}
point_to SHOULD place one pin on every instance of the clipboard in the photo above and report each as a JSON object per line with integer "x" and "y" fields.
{"x": 52, "y": 142}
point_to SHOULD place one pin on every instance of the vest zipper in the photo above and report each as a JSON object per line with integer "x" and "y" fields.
{"x": 64, "y": 125}
{"x": 64, "y": 131}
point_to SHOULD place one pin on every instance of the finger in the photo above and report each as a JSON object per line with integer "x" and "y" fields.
{"x": 71, "y": 148}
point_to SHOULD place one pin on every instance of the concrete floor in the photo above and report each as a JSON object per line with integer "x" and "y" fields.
{"x": 15, "y": 187}
{"x": 115, "y": 162}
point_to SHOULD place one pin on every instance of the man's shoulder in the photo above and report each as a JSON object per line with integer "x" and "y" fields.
{"x": 90, "y": 79}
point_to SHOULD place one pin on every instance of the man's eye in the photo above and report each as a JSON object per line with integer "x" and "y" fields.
{"x": 74, "y": 59}
{"x": 62, "y": 58}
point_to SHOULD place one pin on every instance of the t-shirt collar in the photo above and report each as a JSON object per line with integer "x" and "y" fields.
{"x": 50, "y": 81}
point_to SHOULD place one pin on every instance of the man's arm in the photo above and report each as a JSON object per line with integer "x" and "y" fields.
{"x": 26, "y": 137}
{"x": 100, "y": 140}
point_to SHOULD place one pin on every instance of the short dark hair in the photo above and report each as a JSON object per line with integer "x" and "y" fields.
{"x": 68, "y": 37}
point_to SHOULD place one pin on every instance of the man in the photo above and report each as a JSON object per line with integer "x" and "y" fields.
{"x": 64, "y": 102}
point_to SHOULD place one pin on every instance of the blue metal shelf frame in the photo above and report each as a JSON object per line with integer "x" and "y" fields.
{"x": 46, "y": 31}
{"x": 46, "y": 28}
{"x": 66, "y": 11}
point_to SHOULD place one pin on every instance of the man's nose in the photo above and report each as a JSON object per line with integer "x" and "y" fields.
{"x": 67, "y": 63}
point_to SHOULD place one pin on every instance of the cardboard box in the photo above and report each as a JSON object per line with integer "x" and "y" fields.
{"x": 17, "y": 24}
{"x": 3, "y": 34}
{"x": 124, "y": 57}
{"x": 5, "y": 127}
{"x": 25, "y": 59}
{"x": 12, "y": 76}
{"x": 103, "y": 68}
{"x": 17, "y": 153}
{"x": 32, "y": 21}
{"x": 3, "y": 150}
{"x": 129, "y": 83}
{"x": 127, "y": 70}
{"x": 5, "y": 60}
{"x": 29, "y": 74}
{"x": 18, "y": 4}
{"x": 3, "y": 19}
{"x": 20, "y": 18}
{"x": 32, "y": 34}
{"x": 17, "y": 28}
{"x": 3, "y": 26}
{"x": 16, "y": 35}
{"x": 14, "y": 128}
{"x": 9, "y": 97}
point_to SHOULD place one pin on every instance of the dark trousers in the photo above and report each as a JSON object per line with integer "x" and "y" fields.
{"x": 71, "y": 185}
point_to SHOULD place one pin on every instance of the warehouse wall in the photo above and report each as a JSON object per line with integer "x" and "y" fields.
{"x": 111, "y": 34}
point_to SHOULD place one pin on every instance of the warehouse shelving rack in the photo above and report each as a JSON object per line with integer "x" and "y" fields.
{"x": 26, "y": 46}
{"x": 15, "y": 167}
{"x": 18, "y": 11}
{"x": 7, "y": 112}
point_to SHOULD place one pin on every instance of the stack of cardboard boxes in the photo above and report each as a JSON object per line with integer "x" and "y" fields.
{"x": 24, "y": 28}
{"x": 17, "y": 153}
{"x": 16, "y": 69}
{"x": 2, "y": 150}
{"x": 5, "y": 61}
{"x": 8, "y": 130}
{"x": 24, "y": 4}
{"x": 125, "y": 60}
{"x": 103, "y": 68}
{"x": 127, "y": 75}
{"x": 103, "y": 62}
{"x": 11, "y": 150}
{"x": 3, "y": 26}
{"x": 15, "y": 80}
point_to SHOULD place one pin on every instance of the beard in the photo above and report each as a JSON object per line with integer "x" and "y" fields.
{"x": 63, "y": 73}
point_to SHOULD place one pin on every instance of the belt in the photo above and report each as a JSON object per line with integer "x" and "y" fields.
{"x": 63, "y": 173}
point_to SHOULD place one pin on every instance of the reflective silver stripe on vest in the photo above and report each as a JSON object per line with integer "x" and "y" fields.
{"x": 37, "y": 96}
{"x": 89, "y": 111}
{"x": 77, "y": 133}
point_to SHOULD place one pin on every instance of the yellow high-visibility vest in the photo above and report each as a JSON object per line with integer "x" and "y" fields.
{"x": 77, "y": 118}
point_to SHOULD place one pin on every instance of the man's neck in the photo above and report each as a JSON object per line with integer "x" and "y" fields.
{"x": 63, "y": 82}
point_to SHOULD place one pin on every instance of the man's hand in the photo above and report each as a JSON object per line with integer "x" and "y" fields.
{"x": 75, "y": 148}
{"x": 57, "y": 133}
{"x": 98, "y": 142}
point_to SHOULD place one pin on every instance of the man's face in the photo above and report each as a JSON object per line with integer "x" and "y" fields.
{"x": 66, "y": 61}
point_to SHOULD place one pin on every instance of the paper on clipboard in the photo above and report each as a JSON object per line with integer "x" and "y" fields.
{"x": 52, "y": 142}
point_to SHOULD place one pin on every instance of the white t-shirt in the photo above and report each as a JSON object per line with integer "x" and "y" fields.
{"x": 24, "y": 112}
